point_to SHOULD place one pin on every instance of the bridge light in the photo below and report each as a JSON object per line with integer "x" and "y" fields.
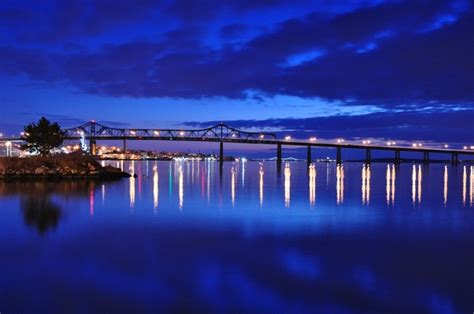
{"x": 234, "y": 135}
{"x": 446, "y": 145}
{"x": 287, "y": 138}
{"x": 465, "y": 147}
{"x": 156, "y": 132}
{"x": 414, "y": 144}
{"x": 472, "y": 147}
{"x": 340, "y": 140}
{"x": 133, "y": 132}
{"x": 181, "y": 133}
{"x": 419, "y": 144}
{"x": 262, "y": 136}
{"x": 312, "y": 139}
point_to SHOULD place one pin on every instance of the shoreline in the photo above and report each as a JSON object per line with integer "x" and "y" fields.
{"x": 58, "y": 167}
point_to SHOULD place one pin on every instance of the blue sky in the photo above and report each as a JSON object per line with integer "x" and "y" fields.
{"x": 377, "y": 69}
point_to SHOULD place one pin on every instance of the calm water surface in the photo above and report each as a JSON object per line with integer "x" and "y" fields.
{"x": 182, "y": 237}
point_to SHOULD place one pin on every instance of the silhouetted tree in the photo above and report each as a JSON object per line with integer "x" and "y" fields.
{"x": 42, "y": 137}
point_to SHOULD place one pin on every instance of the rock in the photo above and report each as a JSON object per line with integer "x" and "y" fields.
{"x": 41, "y": 170}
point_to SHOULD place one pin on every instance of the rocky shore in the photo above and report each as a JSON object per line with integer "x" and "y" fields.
{"x": 71, "y": 166}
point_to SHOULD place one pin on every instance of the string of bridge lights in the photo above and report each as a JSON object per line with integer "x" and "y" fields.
{"x": 262, "y": 136}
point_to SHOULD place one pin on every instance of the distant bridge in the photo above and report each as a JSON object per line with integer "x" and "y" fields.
{"x": 222, "y": 133}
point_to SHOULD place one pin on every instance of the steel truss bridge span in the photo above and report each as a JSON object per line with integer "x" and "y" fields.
{"x": 222, "y": 133}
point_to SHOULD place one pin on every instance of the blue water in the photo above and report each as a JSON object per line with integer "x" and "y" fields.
{"x": 183, "y": 237}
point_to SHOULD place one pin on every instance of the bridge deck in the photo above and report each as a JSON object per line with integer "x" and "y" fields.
{"x": 273, "y": 142}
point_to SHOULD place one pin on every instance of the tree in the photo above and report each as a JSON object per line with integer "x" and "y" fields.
{"x": 42, "y": 137}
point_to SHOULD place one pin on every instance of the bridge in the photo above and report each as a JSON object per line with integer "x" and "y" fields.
{"x": 222, "y": 133}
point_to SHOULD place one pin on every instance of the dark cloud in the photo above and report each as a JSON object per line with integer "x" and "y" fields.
{"x": 388, "y": 54}
{"x": 432, "y": 125}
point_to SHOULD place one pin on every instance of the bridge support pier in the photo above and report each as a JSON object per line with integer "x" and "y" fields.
{"x": 454, "y": 159}
{"x": 368, "y": 157}
{"x": 221, "y": 153}
{"x": 124, "y": 145}
{"x": 309, "y": 159}
{"x": 397, "y": 158}
{"x": 279, "y": 155}
{"x": 426, "y": 158}
{"x": 339, "y": 155}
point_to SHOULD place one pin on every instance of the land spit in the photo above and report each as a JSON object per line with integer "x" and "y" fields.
{"x": 62, "y": 166}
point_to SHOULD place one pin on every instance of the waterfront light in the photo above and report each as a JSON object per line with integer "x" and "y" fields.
{"x": 9, "y": 148}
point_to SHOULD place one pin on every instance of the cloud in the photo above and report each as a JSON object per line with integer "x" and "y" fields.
{"x": 388, "y": 54}
{"x": 440, "y": 126}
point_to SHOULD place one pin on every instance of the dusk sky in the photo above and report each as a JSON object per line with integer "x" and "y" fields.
{"x": 401, "y": 70}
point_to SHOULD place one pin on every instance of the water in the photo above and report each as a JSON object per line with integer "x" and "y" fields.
{"x": 180, "y": 237}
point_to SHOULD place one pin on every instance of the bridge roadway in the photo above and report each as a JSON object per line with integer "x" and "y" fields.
{"x": 222, "y": 133}
{"x": 279, "y": 143}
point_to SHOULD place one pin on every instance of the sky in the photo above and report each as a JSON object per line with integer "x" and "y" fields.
{"x": 368, "y": 69}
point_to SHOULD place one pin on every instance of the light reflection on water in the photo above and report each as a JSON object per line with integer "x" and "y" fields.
{"x": 353, "y": 237}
